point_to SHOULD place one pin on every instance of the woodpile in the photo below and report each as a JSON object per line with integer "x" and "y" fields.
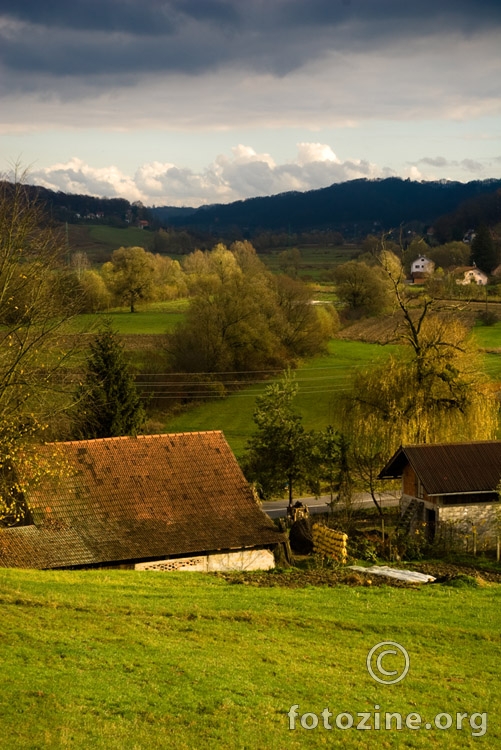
{"x": 329, "y": 542}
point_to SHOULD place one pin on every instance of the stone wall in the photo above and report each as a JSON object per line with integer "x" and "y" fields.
{"x": 483, "y": 518}
{"x": 249, "y": 559}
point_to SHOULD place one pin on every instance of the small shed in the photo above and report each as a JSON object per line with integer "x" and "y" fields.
{"x": 454, "y": 484}
{"x": 153, "y": 502}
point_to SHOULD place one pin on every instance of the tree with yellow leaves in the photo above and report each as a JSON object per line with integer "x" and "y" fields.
{"x": 35, "y": 304}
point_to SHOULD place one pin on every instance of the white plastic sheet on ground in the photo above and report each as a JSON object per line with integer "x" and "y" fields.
{"x": 411, "y": 576}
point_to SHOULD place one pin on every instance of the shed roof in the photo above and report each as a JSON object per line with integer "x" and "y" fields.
{"x": 450, "y": 468}
{"x": 138, "y": 498}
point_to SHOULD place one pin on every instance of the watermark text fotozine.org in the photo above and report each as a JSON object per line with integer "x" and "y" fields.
{"x": 387, "y": 663}
{"x": 326, "y": 719}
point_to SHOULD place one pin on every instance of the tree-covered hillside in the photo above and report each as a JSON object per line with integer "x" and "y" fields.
{"x": 354, "y": 207}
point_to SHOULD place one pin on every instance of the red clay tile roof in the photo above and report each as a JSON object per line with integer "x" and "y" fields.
{"x": 450, "y": 468}
{"x": 141, "y": 498}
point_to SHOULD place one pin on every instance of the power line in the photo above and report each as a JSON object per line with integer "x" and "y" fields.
{"x": 207, "y": 383}
{"x": 211, "y": 394}
{"x": 256, "y": 372}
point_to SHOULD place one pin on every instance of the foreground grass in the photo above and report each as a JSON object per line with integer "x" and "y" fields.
{"x": 131, "y": 660}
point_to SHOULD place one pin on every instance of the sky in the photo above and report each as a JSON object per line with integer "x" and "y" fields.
{"x": 192, "y": 102}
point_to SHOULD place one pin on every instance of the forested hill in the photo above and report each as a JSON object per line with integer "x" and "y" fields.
{"x": 354, "y": 208}
{"x": 358, "y": 206}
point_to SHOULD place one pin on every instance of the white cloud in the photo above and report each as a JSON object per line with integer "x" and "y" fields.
{"x": 415, "y": 174}
{"x": 242, "y": 174}
{"x": 314, "y": 152}
{"x": 75, "y": 176}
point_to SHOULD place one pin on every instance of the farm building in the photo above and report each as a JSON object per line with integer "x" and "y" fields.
{"x": 159, "y": 502}
{"x": 450, "y": 484}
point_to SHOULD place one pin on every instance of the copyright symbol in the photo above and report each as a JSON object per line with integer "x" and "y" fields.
{"x": 375, "y": 662}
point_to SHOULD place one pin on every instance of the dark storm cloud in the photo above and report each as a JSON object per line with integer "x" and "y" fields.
{"x": 97, "y": 38}
{"x": 132, "y": 16}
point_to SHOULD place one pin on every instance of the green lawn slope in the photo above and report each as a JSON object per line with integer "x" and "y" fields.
{"x": 133, "y": 661}
{"x": 321, "y": 381}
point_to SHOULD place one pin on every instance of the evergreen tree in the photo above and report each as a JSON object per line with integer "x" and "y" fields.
{"x": 280, "y": 452}
{"x": 108, "y": 402}
{"x": 483, "y": 250}
{"x": 332, "y": 465}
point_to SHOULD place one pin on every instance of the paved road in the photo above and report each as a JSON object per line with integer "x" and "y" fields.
{"x": 278, "y": 508}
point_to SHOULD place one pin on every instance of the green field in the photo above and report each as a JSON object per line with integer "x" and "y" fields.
{"x": 315, "y": 261}
{"x": 131, "y": 661}
{"x": 153, "y": 318}
{"x": 489, "y": 338}
{"x": 114, "y": 238}
{"x": 321, "y": 380}
{"x": 99, "y": 241}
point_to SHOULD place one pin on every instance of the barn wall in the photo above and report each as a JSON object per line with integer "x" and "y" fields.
{"x": 252, "y": 559}
{"x": 409, "y": 481}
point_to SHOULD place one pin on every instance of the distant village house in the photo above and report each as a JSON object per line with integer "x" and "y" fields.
{"x": 421, "y": 269}
{"x": 470, "y": 275}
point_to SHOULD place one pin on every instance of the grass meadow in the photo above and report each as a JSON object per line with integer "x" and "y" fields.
{"x": 153, "y": 318}
{"x": 488, "y": 338}
{"x": 138, "y": 660}
{"x": 321, "y": 380}
{"x": 133, "y": 661}
{"x": 315, "y": 260}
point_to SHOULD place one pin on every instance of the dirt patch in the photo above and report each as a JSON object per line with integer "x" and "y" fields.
{"x": 445, "y": 571}
{"x": 295, "y": 578}
{"x": 383, "y": 329}
{"x": 130, "y": 341}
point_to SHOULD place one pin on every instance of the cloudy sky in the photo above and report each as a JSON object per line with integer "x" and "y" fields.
{"x": 186, "y": 102}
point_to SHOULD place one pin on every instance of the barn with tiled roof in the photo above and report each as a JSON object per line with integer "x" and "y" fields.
{"x": 164, "y": 502}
